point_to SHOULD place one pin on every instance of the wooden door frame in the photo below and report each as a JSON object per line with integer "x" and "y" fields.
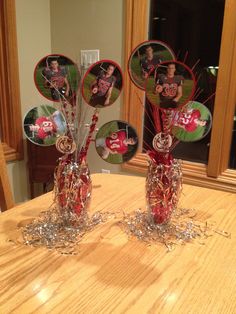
{"x": 224, "y": 107}
{"x": 10, "y": 109}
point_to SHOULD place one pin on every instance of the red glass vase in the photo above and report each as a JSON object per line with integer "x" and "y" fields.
{"x": 73, "y": 186}
{"x": 163, "y": 186}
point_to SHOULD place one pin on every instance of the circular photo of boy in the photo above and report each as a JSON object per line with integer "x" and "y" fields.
{"x": 145, "y": 57}
{"x": 192, "y": 122}
{"x": 43, "y": 125}
{"x": 102, "y": 84}
{"x": 57, "y": 77}
{"x": 116, "y": 142}
{"x": 170, "y": 85}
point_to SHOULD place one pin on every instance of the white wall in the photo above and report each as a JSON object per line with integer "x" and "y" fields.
{"x": 90, "y": 24}
{"x": 34, "y": 41}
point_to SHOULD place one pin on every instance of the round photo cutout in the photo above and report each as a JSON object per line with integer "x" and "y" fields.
{"x": 57, "y": 77}
{"x": 192, "y": 122}
{"x": 170, "y": 85}
{"x": 102, "y": 84}
{"x": 145, "y": 57}
{"x": 116, "y": 142}
{"x": 43, "y": 125}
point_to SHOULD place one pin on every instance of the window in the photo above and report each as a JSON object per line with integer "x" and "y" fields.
{"x": 215, "y": 173}
{"x": 190, "y": 28}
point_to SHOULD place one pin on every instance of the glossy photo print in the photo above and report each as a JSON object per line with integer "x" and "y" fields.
{"x": 102, "y": 84}
{"x": 43, "y": 125}
{"x": 170, "y": 85}
{"x": 192, "y": 122}
{"x": 145, "y": 58}
{"x": 116, "y": 142}
{"x": 57, "y": 77}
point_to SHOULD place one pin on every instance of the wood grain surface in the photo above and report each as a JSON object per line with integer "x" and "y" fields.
{"x": 114, "y": 274}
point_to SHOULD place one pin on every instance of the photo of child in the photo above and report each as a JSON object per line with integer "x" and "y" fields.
{"x": 43, "y": 125}
{"x": 116, "y": 142}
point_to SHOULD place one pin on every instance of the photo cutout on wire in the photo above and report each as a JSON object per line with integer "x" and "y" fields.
{"x": 43, "y": 125}
{"x": 192, "y": 122}
{"x": 145, "y": 57}
{"x": 57, "y": 78}
{"x": 116, "y": 142}
{"x": 102, "y": 84}
{"x": 170, "y": 85}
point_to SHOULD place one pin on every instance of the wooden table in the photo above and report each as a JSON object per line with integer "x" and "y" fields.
{"x": 112, "y": 274}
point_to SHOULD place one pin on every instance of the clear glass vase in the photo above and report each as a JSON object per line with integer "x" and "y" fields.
{"x": 163, "y": 186}
{"x": 73, "y": 186}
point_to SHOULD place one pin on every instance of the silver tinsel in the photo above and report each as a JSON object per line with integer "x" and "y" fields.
{"x": 61, "y": 232}
{"x": 183, "y": 227}
{"x": 54, "y": 231}
{"x": 163, "y": 188}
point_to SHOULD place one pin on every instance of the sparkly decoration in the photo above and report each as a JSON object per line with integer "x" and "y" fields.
{"x": 167, "y": 116}
{"x": 92, "y": 129}
{"x": 63, "y": 226}
{"x": 73, "y": 186}
{"x": 163, "y": 186}
{"x": 61, "y": 231}
{"x": 182, "y": 228}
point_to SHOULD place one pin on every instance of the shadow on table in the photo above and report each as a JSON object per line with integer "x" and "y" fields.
{"x": 121, "y": 265}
